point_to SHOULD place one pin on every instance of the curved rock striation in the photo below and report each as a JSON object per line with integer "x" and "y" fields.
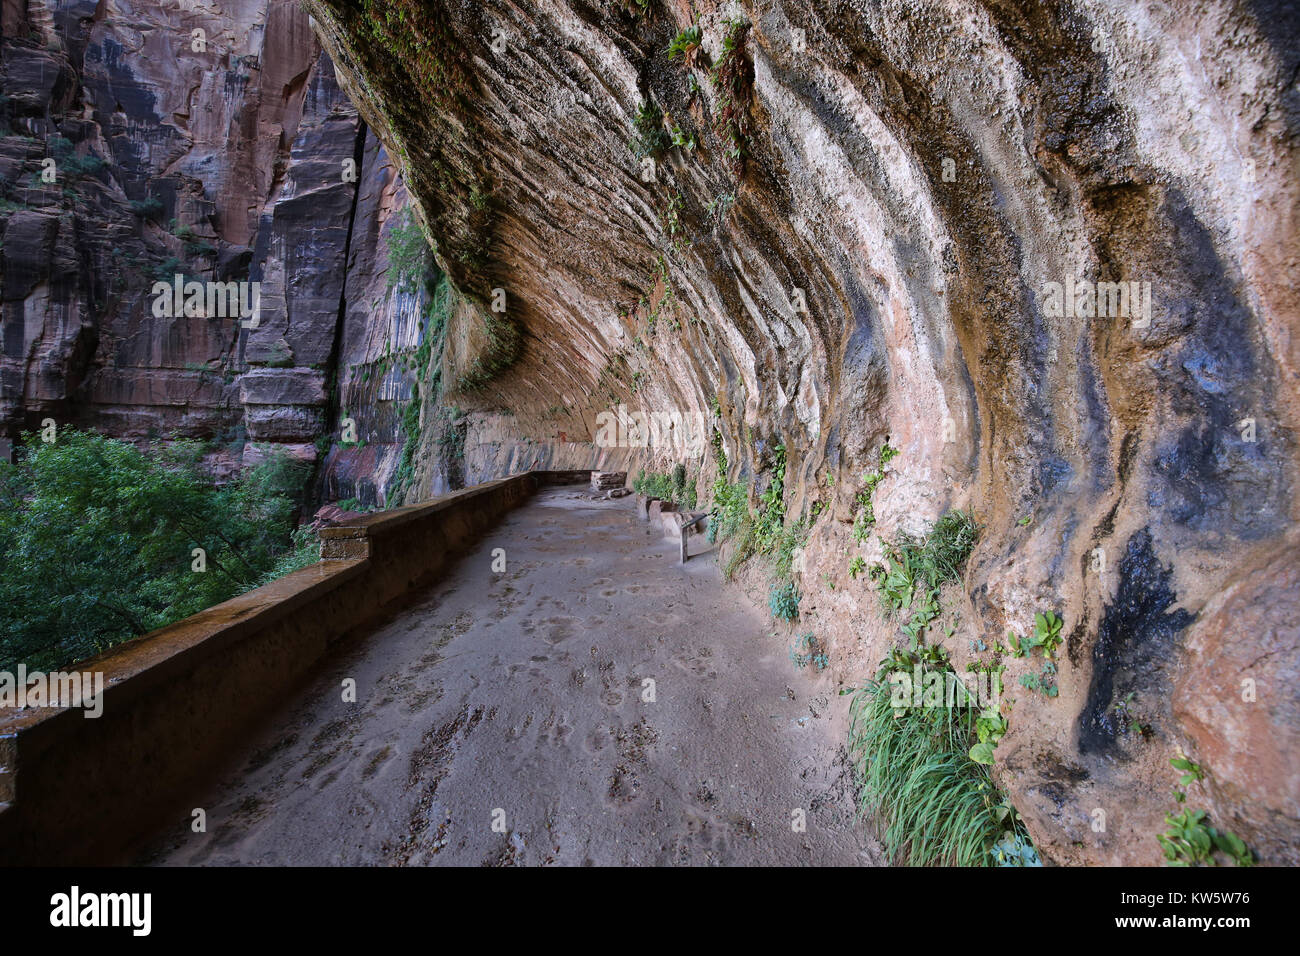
{"x": 1046, "y": 250}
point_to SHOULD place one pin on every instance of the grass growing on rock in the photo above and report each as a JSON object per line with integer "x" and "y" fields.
{"x": 923, "y": 565}
{"x": 938, "y": 807}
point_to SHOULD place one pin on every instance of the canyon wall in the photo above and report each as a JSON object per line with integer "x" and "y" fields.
{"x": 213, "y": 143}
{"x": 834, "y": 224}
{"x": 844, "y": 222}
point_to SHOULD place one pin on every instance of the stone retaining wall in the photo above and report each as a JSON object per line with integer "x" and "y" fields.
{"x": 177, "y": 701}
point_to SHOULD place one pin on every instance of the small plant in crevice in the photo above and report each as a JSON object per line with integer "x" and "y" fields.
{"x": 651, "y": 137}
{"x": 1045, "y": 638}
{"x": 865, "y": 515}
{"x": 1192, "y": 772}
{"x": 808, "y": 650}
{"x": 686, "y": 42}
{"x": 1129, "y": 721}
{"x": 684, "y": 140}
{"x": 783, "y": 601}
{"x": 990, "y": 726}
{"x": 718, "y": 206}
{"x": 672, "y": 221}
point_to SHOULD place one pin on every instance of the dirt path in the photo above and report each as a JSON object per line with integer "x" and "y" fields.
{"x": 516, "y": 698}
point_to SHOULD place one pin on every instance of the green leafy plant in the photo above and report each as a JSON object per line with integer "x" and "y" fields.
{"x": 1015, "y": 849}
{"x": 1046, "y": 636}
{"x": 686, "y": 42}
{"x": 1191, "y": 841}
{"x": 1192, "y": 771}
{"x": 783, "y": 601}
{"x": 990, "y": 725}
{"x": 674, "y": 486}
{"x": 865, "y": 515}
{"x": 149, "y": 208}
{"x": 856, "y": 566}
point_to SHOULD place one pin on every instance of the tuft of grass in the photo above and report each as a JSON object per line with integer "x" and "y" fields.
{"x": 938, "y": 807}
{"x": 948, "y": 545}
{"x": 925, "y": 564}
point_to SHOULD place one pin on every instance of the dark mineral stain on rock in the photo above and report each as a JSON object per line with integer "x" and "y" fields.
{"x": 1135, "y": 642}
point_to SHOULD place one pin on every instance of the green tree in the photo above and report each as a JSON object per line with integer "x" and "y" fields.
{"x": 97, "y": 539}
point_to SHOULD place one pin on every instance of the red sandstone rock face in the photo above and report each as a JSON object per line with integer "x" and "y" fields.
{"x": 229, "y": 163}
{"x": 921, "y": 173}
{"x": 1235, "y": 699}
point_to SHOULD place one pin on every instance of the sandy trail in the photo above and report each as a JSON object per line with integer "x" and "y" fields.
{"x": 501, "y": 720}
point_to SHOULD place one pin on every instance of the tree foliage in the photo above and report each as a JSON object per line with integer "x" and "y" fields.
{"x": 97, "y": 539}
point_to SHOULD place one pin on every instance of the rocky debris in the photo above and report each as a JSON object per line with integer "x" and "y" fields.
{"x": 608, "y": 480}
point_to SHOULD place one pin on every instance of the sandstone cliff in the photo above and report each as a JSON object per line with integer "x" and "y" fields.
{"x": 871, "y": 219}
{"x": 834, "y": 224}
{"x": 212, "y": 143}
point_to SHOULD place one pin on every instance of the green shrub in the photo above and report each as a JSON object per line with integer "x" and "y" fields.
{"x": 96, "y": 540}
{"x": 150, "y": 208}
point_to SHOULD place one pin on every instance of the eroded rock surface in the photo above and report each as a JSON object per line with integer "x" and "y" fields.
{"x": 863, "y": 243}
{"x": 872, "y": 228}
